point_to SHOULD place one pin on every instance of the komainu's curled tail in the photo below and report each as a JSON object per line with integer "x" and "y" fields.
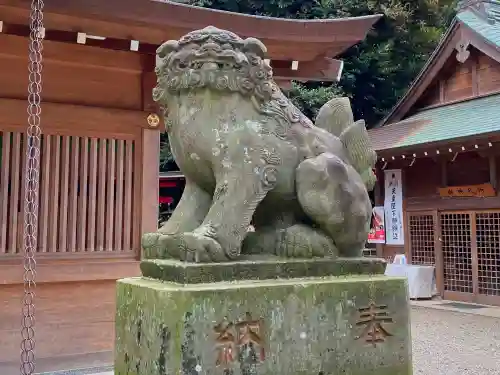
{"x": 336, "y": 117}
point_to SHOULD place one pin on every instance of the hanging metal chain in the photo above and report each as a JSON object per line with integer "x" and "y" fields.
{"x": 31, "y": 186}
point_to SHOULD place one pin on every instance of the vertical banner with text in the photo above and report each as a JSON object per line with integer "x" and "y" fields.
{"x": 393, "y": 207}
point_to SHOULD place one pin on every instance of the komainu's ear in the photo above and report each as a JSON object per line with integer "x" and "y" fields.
{"x": 254, "y": 45}
{"x": 167, "y": 47}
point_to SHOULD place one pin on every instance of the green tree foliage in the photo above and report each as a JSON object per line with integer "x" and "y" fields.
{"x": 310, "y": 99}
{"x": 378, "y": 70}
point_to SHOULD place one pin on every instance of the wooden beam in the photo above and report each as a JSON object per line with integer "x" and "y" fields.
{"x": 148, "y": 83}
{"x": 430, "y": 203}
{"x": 441, "y": 85}
{"x": 73, "y": 74}
{"x": 158, "y": 13}
{"x": 72, "y": 53}
{"x": 71, "y": 268}
{"x": 492, "y": 163}
{"x": 444, "y": 171}
{"x": 475, "y": 75}
{"x": 152, "y": 21}
{"x": 66, "y": 119}
{"x": 320, "y": 69}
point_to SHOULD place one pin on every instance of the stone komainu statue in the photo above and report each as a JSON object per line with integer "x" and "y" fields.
{"x": 248, "y": 154}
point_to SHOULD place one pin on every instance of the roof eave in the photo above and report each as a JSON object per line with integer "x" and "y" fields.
{"x": 157, "y": 14}
{"x": 469, "y": 139}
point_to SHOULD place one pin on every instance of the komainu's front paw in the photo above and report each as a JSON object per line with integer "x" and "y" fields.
{"x": 189, "y": 247}
{"x": 149, "y": 243}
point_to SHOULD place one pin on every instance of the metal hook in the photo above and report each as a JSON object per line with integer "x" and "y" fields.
{"x": 384, "y": 166}
{"x": 413, "y": 162}
{"x": 454, "y": 157}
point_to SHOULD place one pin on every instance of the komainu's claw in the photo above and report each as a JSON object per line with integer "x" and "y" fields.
{"x": 150, "y": 245}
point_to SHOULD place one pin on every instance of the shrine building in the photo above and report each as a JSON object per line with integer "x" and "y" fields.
{"x": 99, "y": 154}
{"x": 439, "y": 156}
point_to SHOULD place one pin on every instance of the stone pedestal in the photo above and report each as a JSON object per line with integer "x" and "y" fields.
{"x": 245, "y": 318}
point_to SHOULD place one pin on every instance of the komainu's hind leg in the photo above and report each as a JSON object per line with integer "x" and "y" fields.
{"x": 333, "y": 195}
{"x": 296, "y": 241}
{"x": 281, "y": 229}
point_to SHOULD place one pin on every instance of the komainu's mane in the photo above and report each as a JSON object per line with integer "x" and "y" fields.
{"x": 242, "y": 69}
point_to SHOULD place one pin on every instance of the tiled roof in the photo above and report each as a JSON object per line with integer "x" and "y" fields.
{"x": 488, "y": 27}
{"x": 470, "y": 118}
{"x": 389, "y": 136}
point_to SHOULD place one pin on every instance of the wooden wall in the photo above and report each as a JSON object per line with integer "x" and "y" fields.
{"x": 71, "y": 319}
{"x": 91, "y": 96}
{"x": 75, "y": 74}
{"x": 478, "y": 75}
{"x": 422, "y": 180}
{"x": 74, "y": 307}
{"x": 488, "y": 74}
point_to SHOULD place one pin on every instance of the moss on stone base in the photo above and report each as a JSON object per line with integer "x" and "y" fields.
{"x": 290, "y": 327}
{"x": 259, "y": 269}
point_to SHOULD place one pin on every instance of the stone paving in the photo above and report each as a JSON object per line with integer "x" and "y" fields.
{"x": 454, "y": 343}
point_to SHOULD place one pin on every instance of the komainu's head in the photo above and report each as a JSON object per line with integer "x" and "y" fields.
{"x": 213, "y": 59}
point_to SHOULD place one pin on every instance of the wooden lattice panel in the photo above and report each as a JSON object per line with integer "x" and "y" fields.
{"x": 457, "y": 252}
{"x": 12, "y": 167}
{"x": 488, "y": 252}
{"x": 421, "y": 232}
{"x": 86, "y": 191}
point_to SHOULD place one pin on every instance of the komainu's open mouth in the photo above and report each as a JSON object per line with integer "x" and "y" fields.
{"x": 209, "y": 56}
{"x": 209, "y": 65}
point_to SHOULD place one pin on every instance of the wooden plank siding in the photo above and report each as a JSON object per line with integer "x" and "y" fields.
{"x": 72, "y": 318}
{"x": 488, "y": 75}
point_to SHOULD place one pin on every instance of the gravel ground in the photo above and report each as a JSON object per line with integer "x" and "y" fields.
{"x": 449, "y": 343}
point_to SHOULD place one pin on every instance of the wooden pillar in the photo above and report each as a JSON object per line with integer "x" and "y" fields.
{"x": 150, "y": 151}
{"x": 406, "y": 219}
{"x": 379, "y": 201}
{"x": 493, "y": 171}
{"x": 474, "y": 62}
{"x": 150, "y": 166}
{"x": 284, "y": 84}
{"x": 441, "y": 91}
{"x": 444, "y": 172}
